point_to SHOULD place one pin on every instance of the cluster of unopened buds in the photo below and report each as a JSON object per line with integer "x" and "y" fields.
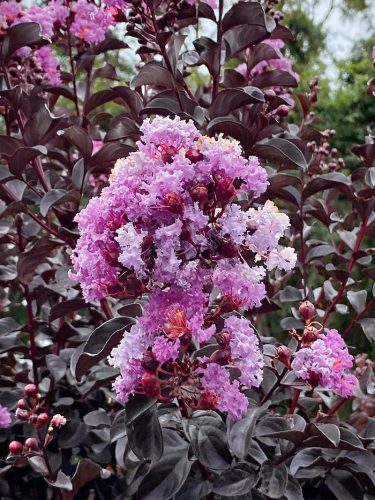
{"x": 325, "y": 158}
{"x": 31, "y": 409}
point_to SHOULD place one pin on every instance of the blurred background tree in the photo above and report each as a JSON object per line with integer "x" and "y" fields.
{"x": 343, "y": 103}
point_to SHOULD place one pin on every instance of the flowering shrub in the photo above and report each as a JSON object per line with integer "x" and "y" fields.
{"x": 178, "y": 259}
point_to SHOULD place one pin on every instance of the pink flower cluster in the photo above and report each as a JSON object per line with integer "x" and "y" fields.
{"x": 174, "y": 223}
{"x": 279, "y": 63}
{"x": 90, "y": 24}
{"x": 325, "y": 362}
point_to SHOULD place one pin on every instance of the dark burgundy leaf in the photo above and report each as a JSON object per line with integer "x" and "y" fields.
{"x": 230, "y": 127}
{"x": 20, "y": 35}
{"x": 153, "y": 73}
{"x": 65, "y": 308}
{"x": 231, "y": 99}
{"x": 80, "y": 138}
{"x": 23, "y": 156}
{"x": 62, "y": 482}
{"x": 274, "y": 77}
{"x": 98, "y": 346}
{"x": 86, "y": 471}
{"x": 250, "y": 13}
{"x": 281, "y": 150}
{"x": 31, "y": 259}
{"x": 335, "y": 180}
{"x": 125, "y": 95}
{"x": 146, "y": 424}
{"x": 108, "y": 154}
{"x": 56, "y": 197}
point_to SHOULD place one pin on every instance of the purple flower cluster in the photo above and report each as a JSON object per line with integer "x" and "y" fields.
{"x": 171, "y": 224}
{"x": 280, "y": 63}
{"x": 90, "y": 22}
{"x": 325, "y": 362}
{"x": 5, "y": 418}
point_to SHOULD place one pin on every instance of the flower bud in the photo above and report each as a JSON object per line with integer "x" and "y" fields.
{"x": 22, "y": 414}
{"x": 22, "y": 404}
{"x": 282, "y": 111}
{"x": 310, "y": 334}
{"x": 42, "y": 419}
{"x": 31, "y": 390}
{"x": 221, "y": 357}
{"x": 207, "y": 400}
{"x": 168, "y": 153}
{"x": 223, "y": 339}
{"x": 175, "y": 203}
{"x": 150, "y": 384}
{"x": 15, "y": 447}
{"x": 31, "y": 444}
{"x": 284, "y": 355}
{"x": 307, "y": 311}
{"x": 194, "y": 155}
{"x": 224, "y": 189}
{"x": 199, "y": 194}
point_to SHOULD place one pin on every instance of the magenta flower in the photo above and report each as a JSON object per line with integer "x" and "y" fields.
{"x": 49, "y": 64}
{"x": 90, "y": 22}
{"x": 326, "y": 362}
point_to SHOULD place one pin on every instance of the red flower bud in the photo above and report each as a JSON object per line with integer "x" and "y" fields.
{"x": 15, "y": 447}
{"x": 224, "y": 189}
{"x": 307, "y": 311}
{"x": 22, "y": 414}
{"x": 223, "y": 339}
{"x": 194, "y": 155}
{"x": 207, "y": 400}
{"x": 42, "y": 419}
{"x": 22, "y": 404}
{"x": 282, "y": 111}
{"x": 31, "y": 390}
{"x": 150, "y": 384}
{"x": 284, "y": 355}
{"x": 228, "y": 304}
{"x": 31, "y": 444}
{"x": 199, "y": 194}
{"x": 168, "y": 153}
{"x": 310, "y": 334}
{"x": 175, "y": 203}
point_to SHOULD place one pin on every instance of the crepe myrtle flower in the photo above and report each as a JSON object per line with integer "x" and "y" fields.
{"x": 170, "y": 226}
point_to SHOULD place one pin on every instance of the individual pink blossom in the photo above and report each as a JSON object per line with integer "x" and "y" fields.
{"x": 5, "y": 417}
{"x": 165, "y": 350}
{"x": 58, "y": 421}
{"x": 326, "y": 362}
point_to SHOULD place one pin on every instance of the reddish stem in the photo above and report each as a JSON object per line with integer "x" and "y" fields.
{"x": 106, "y": 308}
{"x": 293, "y": 404}
{"x": 359, "y": 316}
{"x": 340, "y": 293}
{"x": 31, "y": 331}
{"x": 337, "y": 406}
